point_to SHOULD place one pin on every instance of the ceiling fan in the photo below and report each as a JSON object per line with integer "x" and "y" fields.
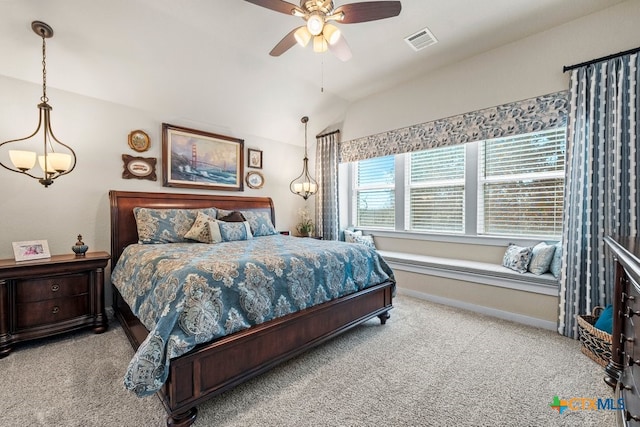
{"x": 318, "y": 14}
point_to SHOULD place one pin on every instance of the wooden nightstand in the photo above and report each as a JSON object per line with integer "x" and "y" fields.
{"x": 44, "y": 297}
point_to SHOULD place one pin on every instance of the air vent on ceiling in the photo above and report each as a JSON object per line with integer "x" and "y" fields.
{"x": 421, "y": 39}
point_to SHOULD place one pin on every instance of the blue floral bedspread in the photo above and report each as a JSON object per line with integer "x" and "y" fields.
{"x": 191, "y": 293}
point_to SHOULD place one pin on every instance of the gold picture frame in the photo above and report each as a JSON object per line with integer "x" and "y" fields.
{"x": 197, "y": 159}
{"x": 254, "y": 180}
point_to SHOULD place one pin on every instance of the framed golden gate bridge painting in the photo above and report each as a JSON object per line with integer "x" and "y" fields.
{"x": 196, "y": 159}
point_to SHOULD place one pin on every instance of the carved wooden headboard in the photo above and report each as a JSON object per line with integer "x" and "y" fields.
{"x": 123, "y": 224}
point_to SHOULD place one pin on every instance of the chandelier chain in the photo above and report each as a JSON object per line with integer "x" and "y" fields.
{"x": 44, "y": 69}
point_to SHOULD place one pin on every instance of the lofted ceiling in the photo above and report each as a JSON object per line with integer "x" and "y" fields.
{"x": 206, "y": 63}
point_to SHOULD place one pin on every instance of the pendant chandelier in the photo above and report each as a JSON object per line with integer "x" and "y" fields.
{"x": 56, "y": 159}
{"x": 304, "y": 186}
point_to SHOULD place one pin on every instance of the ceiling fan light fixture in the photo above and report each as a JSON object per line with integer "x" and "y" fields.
{"x": 331, "y": 34}
{"x": 339, "y": 16}
{"x": 320, "y": 44}
{"x": 302, "y": 36}
{"x": 315, "y": 24}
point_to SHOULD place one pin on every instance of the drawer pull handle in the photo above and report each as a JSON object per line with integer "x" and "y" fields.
{"x": 55, "y": 310}
{"x": 633, "y": 361}
{"x": 624, "y": 338}
{"x": 630, "y": 417}
{"x": 55, "y": 287}
{"x": 631, "y": 312}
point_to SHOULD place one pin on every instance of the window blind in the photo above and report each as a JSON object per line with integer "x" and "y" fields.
{"x": 436, "y": 190}
{"x": 375, "y": 193}
{"x": 521, "y": 184}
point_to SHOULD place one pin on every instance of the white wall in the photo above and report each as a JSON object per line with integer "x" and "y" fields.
{"x": 520, "y": 70}
{"x": 97, "y": 131}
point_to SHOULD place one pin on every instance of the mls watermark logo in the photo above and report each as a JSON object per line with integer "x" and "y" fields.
{"x": 586, "y": 404}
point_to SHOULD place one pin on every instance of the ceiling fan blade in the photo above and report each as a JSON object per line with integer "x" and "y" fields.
{"x": 341, "y": 49}
{"x": 285, "y": 44}
{"x": 277, "y": 5}
{"x": 368, "y": 11}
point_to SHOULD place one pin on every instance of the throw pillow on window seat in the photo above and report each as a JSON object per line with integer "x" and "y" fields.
{"x": 358, "y": 237}
{"x": 556, "y": 262}
{"x": 541, "y": 257}
{"x": 517, "y": 258}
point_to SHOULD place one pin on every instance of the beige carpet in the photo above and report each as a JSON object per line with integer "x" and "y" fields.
{"x": 430, "y": 365}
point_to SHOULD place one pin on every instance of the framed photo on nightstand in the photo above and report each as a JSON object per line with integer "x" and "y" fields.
{"x": 31, "y": 249}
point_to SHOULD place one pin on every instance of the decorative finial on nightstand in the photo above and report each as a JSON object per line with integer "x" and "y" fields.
{"x": 80, "y": 248}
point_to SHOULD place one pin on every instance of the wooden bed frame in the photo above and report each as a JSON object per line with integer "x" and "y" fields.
{"x": 212, "y": 368}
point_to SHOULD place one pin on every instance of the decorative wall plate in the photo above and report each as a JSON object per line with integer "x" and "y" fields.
{"x": 254, "y": 179}
{"x": 139, "y": 141}
{"x": 139, "y": 167}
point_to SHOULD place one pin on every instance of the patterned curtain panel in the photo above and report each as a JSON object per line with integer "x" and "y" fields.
{"x": 530, "y": 115}
{"x": 327, "y": 211}
{"x": 601, "y": 194}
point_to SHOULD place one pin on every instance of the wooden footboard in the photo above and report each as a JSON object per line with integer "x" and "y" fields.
{"x": 213, "y": 368}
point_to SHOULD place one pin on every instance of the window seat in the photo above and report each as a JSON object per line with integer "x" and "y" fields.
{"x": 472, "y": 271}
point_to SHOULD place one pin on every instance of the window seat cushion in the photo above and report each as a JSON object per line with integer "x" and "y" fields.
{"x": 471, "y": 267}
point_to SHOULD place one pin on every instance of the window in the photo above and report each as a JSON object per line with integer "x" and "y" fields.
{"x": 506, "y": 187}
{"x": 435, "y": 183}
{"x": 521, "y": 184}
{"x": 374, "y": 193}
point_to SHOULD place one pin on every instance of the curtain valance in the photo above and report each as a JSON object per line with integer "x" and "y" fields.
{"x": 526, "y": 116}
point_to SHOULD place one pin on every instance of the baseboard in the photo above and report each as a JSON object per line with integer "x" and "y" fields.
{"x": 501, "y": 314}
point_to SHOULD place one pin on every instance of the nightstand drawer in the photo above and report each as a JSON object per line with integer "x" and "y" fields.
{"x": 51, "y": 287}
{"x": 51, "y": 311}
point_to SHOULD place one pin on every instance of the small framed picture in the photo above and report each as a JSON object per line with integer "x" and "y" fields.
{"x": 254, "y": 158}
{"x": 31, "y": 249}
{"x": 139, "y": 167}
{"x": 254, "y": 179}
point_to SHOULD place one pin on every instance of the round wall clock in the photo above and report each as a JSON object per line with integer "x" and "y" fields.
{"x": 254, "y": 179}
{"x": 139, "y": 141}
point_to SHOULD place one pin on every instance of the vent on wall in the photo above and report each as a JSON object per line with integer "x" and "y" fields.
{"x": 421, "y": 39}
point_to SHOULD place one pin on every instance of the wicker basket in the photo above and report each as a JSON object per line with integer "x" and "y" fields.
{"x": 595, "y": 343}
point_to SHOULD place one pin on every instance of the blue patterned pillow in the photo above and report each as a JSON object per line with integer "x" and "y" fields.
{"x": 541, "y": 258}
{"x": 232, "y": 231}
{"x": 166, "y": 225}
{"x": 556, "y": 262}
{"x": 517, "y": 258}
{"x": 260, "y": 222}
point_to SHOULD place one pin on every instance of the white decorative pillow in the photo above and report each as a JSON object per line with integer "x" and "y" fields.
{"x": 517, "y": 258}
{"x": 365, "y": 240}
{"x": 204, "y": 229}
{"x": 350, "y": 236}
{"x": 541, "y": 257}
{"x": 358, "y": 237}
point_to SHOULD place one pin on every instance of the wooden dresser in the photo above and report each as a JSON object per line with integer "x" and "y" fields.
{"x": 623, "y": 370}
{"x": 43, "y": 297}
